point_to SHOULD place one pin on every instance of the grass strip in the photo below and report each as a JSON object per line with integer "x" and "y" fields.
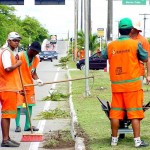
{"x": 93, "y": 120}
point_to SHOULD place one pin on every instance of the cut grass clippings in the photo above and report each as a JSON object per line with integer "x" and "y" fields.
{"x": 53, "y": 114}
{"x": 93, "y": 120}
{"x": 56, "y": 96}
{"x": 58, "y": 139}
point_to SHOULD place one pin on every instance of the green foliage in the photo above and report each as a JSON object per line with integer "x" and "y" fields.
{"x": 52, "y": 114}
{"x": 38, "y": 34}
{"x": 29, "y": 28}
{"x": 64, "y": 59}
{"x": 56, "y": 96}
{"x": 148, "y": 40}
{"x": 93, "y": 41}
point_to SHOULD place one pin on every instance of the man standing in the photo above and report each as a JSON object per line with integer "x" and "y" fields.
{"x": 127, "y": 94}
{"x": 28, "y": 73}
{"x": 9, "y": 87}
{"x": 135, "y": 34}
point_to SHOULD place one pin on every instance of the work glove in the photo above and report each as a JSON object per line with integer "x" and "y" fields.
{"x": 39, "y": 82}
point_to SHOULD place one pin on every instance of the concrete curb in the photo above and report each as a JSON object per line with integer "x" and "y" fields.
{"x": 79, "y": 142}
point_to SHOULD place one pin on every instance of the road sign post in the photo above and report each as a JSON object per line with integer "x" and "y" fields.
{"x": 100, "y": 34}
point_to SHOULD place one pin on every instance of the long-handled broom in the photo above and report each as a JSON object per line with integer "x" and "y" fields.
{"x": 33, "y": 137}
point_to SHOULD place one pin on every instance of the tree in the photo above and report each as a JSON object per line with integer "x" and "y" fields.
{"x": 93, "y": 41}
{"x": 33, "y": 30}
{"x": 7, "y": 22}
{"x": 29, "y": 28}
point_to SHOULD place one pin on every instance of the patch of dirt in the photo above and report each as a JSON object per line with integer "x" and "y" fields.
{"x": 58, "y": 139}
{"x": 62, "y": 139}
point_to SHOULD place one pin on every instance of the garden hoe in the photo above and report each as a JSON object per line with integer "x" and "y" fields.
{"x": 33, "y": 137}
{"x": 61, "y": 81}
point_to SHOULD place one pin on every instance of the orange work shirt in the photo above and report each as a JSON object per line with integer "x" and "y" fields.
{"x": 124, "y": 66}
{"x": 9, "y": 81}
{"x": 27, "y": 69}
{"x": 145, "y": 44}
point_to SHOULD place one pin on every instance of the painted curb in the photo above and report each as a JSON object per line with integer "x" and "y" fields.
{"x": 79, "y": 142}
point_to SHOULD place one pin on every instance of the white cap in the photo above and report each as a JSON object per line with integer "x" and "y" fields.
{"x": 13, "y": 35}
{"x": 137, "y": 25}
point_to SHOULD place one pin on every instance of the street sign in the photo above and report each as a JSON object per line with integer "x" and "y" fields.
{"x": 133, "y": 2}
{"x": 37, "y": 2}
{"x": 49, "y": 2}
{"x": 100, "y": 32}
{"x": 12, "y": 2}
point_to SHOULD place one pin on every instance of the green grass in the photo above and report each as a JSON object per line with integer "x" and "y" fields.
{"x": 52, "y": 114}
{"x": 91, "y": 117}
{"x": 71, "y": 64}
{"x": 56, "y": 96}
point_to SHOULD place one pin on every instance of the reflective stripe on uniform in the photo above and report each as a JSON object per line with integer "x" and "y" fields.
{"x": 9, "y": 112}
{"x": 125, "y": 81}
{"x": 134, "y": 109}
{"x": 119, "y": 109}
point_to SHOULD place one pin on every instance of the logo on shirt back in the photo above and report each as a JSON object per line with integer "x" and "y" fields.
{"x": 120, "y": 51}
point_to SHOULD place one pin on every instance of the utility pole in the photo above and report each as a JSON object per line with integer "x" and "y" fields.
{"x": 89, "y": 15}
{"x": 86, "y": 27}
{"x": 144, "y": 22}
{"x": 81, "y": 15}
{"x": 75, "y": 27}
{"x": 109, "y": 20}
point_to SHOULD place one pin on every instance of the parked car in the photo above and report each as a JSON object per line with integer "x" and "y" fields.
{"x": 96, "y": 62}
{"x": 55, "y": 54}
{"x": 46, "y": 55}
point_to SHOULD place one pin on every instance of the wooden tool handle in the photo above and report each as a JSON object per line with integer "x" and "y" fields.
{"x": 60, "y": 81}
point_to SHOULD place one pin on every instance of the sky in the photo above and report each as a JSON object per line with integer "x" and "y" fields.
{"x": 59, "y": 19}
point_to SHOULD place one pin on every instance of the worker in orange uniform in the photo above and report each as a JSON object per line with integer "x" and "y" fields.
{"x": 10, "y": 87}
{"x": 82, "y": 53}
{"x": 123, "y": 55}
{"x": 135, "y": 34}
{"x": 30, "y": 61}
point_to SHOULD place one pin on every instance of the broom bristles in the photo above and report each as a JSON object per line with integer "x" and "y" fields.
{"x": 32, "y": 137}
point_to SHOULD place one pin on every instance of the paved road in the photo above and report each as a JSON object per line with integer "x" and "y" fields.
{"x": 48, "y": 72}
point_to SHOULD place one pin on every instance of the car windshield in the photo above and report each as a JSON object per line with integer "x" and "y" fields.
{"x": 46, "y": 52}
{"x": 96, "y": 55}
{"x": 53, "y": 52}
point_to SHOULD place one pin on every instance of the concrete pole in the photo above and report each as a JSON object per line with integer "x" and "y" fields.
{"x": 75, "y": 27}
{"x": 109, "y": 20}
{"x": 81, "y": 15}
{"x": 90, "y": 26}
{"x": 86, "y": 27}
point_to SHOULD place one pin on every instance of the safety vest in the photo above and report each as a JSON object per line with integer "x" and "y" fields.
{"x": 124, "y": 66}
{"x": 26, "y": 70}
{"x": 82, "y": 54}
{"x": 9, "y": 81}
{"x": 146, "y": 46}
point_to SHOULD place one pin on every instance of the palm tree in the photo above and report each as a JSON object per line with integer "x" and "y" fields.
{"x": 93, "y": 41}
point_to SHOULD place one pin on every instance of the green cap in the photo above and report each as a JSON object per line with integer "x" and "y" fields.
{"x": 125, "y": 23}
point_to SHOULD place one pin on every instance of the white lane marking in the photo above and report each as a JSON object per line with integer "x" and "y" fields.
{"x": 41, "y": 124}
